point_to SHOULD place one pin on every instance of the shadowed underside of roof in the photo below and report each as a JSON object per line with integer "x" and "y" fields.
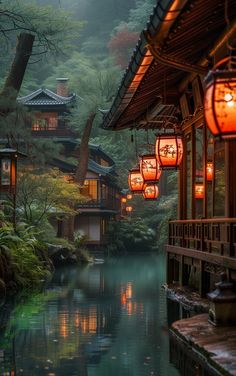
{"x": 185, "y": 30}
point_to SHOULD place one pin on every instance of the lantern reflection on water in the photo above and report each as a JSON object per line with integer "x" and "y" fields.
{"x": 169, "y": 151}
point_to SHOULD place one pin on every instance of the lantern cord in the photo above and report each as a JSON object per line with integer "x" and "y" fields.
{"x": 136, "y": 145}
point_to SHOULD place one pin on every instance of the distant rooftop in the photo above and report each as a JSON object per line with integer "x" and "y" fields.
{"x": 45, "y": 97}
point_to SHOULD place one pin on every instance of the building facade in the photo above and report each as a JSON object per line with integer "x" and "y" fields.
{"x": 163, "y": 90}
{"x": 48, "y": 118}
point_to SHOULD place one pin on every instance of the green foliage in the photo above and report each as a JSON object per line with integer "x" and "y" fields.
{"x": 130, "y": 235}
{"x": 19, "y": 247}
{"x": 49, "y": 27}
{"x": 44, "y": 193}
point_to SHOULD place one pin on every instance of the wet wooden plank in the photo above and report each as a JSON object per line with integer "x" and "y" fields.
{"x": 216, "y": 344}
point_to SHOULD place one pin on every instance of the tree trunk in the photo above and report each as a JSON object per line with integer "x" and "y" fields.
{"x": 82, "y": 166}
{"x": 19, "y": 64}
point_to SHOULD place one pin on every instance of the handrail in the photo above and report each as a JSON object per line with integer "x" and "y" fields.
{"x": 210, "y": 220}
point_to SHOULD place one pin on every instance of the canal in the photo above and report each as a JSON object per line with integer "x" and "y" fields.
{"x": 93, "y": 320}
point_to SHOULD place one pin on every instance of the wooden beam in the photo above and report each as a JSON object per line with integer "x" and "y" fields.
{"x": 227, "y": 262}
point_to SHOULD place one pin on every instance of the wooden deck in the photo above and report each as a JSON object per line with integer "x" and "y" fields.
{"x": 208, "y": 349}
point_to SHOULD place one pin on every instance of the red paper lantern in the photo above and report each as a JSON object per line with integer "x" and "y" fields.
{"x": 220, "y": 101}
{"x": 135, "y": 181}
{"x": 149, "y": 168}
{"x": 209, "y": 171}
{"x": 199, "y": 191}
{"x": 169, "y": 151}
{"x": 150, "y": 191}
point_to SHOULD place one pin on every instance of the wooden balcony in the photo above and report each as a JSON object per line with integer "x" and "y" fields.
{"x": 206, "y": 245}
{"x": 216, "y": 236}
{"x": 110, "y": 203}
{"x": 53, "y": 132}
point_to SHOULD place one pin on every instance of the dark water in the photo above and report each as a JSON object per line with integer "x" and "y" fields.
{"x": 95, "y": 320}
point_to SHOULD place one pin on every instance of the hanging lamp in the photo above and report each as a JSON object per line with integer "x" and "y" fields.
{"x": 150, "y": 191}
{"x": 135, "y": 180}
{"x": 220, "y": 99}
{"x": 149, "y": 168}
{"x": 169, "y": 150}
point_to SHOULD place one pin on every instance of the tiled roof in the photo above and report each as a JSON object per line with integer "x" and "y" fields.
{"x": 45, "y": 97}
{"x": 92, "y": 166}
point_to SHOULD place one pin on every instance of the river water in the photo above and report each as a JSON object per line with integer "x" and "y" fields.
{"x": 93, "y": 320}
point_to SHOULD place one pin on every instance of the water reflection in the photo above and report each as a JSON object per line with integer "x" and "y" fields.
{"x": 108, "y": 319}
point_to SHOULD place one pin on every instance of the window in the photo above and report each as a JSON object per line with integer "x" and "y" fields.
{"x": 90, "y": 189}
{"x": 45, "y": 122}
{"x": 219, "y": 182}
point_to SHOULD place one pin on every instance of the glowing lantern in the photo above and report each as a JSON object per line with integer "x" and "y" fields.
{"x": 129, "y": 196}
{"x": 220, "y": 101}
{"x": 129, "y": 209}
{"x": 199, "y": 190}
{"x": 150, "y": 191}
{"x": 135, "y": 181}
{"x": 123, "y": 200}
{"x": 149, "y": 168}
{"x": 169, "y": 151}
{"x": 8, "y": 168}
{"x": 209, "y": 171}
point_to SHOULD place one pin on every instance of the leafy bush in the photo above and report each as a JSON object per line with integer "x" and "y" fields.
{"x": 130, "y": 236}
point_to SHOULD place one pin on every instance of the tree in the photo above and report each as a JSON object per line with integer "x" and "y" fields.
{"x": 121, "y": 44}
{"x": 46, "y": 193}
{"x": 95, "y": 83}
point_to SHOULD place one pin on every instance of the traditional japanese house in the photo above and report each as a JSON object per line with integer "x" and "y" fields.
{"x": 49, "y": 120}
{"x": 163, "y": 89}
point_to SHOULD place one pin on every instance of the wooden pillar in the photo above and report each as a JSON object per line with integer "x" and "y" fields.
{"x": 193, "y": 138}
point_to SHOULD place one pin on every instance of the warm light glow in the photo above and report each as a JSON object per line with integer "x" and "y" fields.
{"x": 64, "y": 325}
{"x": 129, "y": 209}
{"x": 123, "y": 199}
{"x": 169, "y": 151}
{"x": 199, "y": 191}
{"x": 149, "y": 168}
{"x": 136, "y": 181}
{"x": 219, "y": 104}
{"x": 150, "y": 191}
{"x": 129, "y": 196}
{"x": 209, "y": 171}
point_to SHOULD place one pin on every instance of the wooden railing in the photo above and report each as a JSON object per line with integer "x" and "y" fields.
{"x": 104, "y": 204}
{"x": 217, "y": 236}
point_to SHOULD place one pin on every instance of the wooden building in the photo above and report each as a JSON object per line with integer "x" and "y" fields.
{"x": 48, "y": 120}
{"x": 163, "y": 88}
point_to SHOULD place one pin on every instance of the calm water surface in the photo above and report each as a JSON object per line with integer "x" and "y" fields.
{"x": 94, "y": 320}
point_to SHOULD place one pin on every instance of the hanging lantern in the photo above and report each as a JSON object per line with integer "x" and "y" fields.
{"x": 169, "y": 151}
{"x": 199, "y": 190}
{"x": 209, "y": 171}
{"x": 150, "y": 191}
{"x": 123, "y": 200}
{"x": 149, "y": 168}
{"x": 220, "y": 101}
{"x": 129, "y": 196}
{"x": 129, "y": 209}
{"x": 8, "y": 169}
{"x": 135, "y": 180}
